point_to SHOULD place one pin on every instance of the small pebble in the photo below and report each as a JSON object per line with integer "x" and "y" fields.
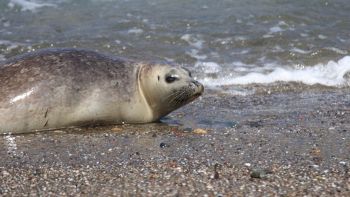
{"x": 163, "y": 145}
{"x": 200, "y": 131}
{"x": 247, "y": 164}
{"x": 116, "y": 129}
{"x": 316, "y": 152}
{"x": 5, "y": 173}
{"x": 58, "y": 131}
{"x": 260, "y": 173}
{"x": 216, "y": 173}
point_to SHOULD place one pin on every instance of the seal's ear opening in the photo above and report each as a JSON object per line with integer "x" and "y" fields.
{"x": 189, "y": 72}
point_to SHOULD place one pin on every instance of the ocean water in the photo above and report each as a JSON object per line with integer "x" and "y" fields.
{"x": 226, "y": 43}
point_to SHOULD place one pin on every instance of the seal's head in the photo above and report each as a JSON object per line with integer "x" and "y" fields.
{"x": 167, "y": 87}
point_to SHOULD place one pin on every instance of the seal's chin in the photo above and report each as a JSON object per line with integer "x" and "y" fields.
{"x": 195, "y": 96}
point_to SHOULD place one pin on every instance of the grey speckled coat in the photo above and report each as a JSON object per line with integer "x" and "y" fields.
{"x": 57, "y": 83}
{"x": 57, "y": 88}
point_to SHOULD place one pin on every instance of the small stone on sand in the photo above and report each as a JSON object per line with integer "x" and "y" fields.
{"x": 116, "y": 129}
{"x": 200, "y": 131}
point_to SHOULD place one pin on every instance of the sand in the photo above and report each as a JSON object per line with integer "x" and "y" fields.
{"x": 284, "y": 143}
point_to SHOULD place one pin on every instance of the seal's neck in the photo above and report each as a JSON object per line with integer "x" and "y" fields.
{"x": 145, "y": 109}
{"x": 148, "y": 91}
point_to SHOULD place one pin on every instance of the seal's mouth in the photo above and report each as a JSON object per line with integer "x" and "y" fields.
{"x": 187, "y": 94}
{"x": 194, "y": 97}
{"x": 197, "y": 94}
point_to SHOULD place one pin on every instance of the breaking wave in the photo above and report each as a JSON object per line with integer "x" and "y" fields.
{"x": 331, "y": 74}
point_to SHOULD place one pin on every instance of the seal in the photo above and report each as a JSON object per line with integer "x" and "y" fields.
{"x": 59, "y": 88}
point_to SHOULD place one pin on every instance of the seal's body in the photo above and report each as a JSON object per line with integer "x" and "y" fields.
{"x": 57, "y": 88}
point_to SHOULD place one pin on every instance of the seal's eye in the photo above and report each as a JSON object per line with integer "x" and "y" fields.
{"x": 171, "y": 78}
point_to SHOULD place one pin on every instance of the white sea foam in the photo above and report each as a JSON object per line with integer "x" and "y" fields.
{"x": 208, "y": 67}
{"x": 135, "y": 31}
{"x": 276, "y": 29}
{"x": 195, "y": 54}
{"x": 29, "y": 5}
{"x": 267, "y": 36}
{"x": 340, "y": 51}
{"x": 240, "y": 52}
{"x": 277, "y": 49}
{"x": 240, "y": 38}
{"x": 301, "y": 51}
{"x": 280, "y": 27}
{"x": 10, "y": 45}
{"x": 193, "y": 41}
{"x": 322, "y": 37}
{"x": 223, "y": 41}
{"x": 330, "y": 74}
{"x": 196, "y": 44}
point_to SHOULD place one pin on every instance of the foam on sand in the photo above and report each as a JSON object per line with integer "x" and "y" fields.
{"x": 330, "y": 74}
{"x": 29, "y": 5}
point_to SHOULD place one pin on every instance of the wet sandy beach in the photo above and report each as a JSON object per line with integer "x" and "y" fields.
{"x": 282, "y": 143}
{"x": 279, "y": 138}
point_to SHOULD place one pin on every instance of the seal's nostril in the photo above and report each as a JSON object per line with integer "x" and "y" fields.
{"x": 196, "y": 83}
